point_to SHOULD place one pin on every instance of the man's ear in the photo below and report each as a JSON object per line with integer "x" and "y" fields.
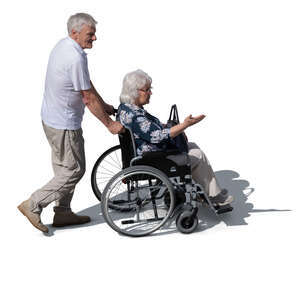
{"x": 74, "y": 33}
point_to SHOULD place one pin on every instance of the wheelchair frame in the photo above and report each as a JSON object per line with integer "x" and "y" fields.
{"x": 179, "y": 199}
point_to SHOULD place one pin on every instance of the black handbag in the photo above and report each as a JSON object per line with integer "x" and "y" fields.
{"x": 178, "y": 142}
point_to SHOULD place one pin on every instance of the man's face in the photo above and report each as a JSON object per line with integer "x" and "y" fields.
{"x": 85, "y": 37}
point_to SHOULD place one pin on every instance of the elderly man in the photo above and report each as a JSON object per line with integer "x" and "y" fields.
{"x": 68, "y": 90}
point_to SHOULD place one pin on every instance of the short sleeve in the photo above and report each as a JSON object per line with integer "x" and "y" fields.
{"x": 80, "y": 76}
{"x": 125, "y": 118}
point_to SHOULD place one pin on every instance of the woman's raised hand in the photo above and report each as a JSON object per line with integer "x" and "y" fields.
{"x": 190, "y": 120}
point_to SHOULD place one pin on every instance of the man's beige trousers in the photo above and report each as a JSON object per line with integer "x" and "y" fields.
{"x": 68, "y": 161}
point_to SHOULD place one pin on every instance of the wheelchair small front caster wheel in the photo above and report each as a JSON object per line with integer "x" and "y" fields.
{"x": 186, "y": 222}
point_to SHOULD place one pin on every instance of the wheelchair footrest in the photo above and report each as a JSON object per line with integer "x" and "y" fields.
{"x": 131, "y": 221}
{"x": 223, "y": 209}
{"x": 116, "y": 202}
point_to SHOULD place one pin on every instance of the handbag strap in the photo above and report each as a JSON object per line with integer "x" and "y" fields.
{"x": 174, "y": 114}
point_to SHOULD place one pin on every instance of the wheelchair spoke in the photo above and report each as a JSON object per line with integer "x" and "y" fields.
{"x": 118, "y": 160}
{"x": 107, "y": 165}
{"x": 111, "y": 162}
{"x": 105, "y": 172}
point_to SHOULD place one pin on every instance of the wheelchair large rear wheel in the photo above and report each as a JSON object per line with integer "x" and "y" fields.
{"x": 106, "y": 166}
{"x": 143, "y": 189}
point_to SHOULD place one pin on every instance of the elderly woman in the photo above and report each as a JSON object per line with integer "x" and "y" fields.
{"x": 151, "y": 135}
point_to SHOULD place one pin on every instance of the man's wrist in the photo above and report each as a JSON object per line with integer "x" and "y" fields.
{"x": 109, "y": 123}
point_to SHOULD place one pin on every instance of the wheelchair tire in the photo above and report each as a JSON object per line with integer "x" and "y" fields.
{"x": 143, "y": 188}
{"x": 186, "y": 223}
{"x": 106, "y": 166}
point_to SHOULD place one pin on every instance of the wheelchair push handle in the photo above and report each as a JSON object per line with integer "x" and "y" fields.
{"x": 114, "y": 113}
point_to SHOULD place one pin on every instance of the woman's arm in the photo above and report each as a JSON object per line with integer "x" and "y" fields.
{"x": 149, "y": 131}
{"x": 188, "y": 121}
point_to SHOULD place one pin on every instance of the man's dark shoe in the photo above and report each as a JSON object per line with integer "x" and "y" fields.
{"x": 65, "y": 217}
{"x": 33, "y": 218}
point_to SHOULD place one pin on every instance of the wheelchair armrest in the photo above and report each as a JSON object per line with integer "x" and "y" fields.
{"x": 154, "y": 154}
{"x": 159, "y": 154}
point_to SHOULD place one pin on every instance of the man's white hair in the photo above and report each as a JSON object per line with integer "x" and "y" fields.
{"x": 77, "y": 21}
{"x": 132, "y": 82}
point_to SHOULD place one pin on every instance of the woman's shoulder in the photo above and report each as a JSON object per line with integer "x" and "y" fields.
{"x": 134, "y": 109}
{"x": 127, "y": 113}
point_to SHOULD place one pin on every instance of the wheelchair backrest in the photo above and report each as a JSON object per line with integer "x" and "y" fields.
{"x": 128, "y": 148}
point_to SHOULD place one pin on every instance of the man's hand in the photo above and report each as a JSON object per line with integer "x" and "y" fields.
{"x": 189, "y": 121}
{"x": 116, "y": 127}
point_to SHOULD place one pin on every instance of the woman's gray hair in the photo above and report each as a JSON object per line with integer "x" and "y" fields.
{"x": 77, "y": 21}
{"x": 132, "y": 82}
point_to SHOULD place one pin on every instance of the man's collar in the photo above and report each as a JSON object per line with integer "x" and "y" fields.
{"x": 76, "y": 45}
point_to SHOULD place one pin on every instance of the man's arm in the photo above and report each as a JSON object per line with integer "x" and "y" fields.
{"x": 96, "y": 105}
{"x": 108, "y": 108}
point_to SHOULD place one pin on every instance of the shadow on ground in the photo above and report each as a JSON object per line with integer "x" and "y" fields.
{"x": 242, "y": 208}
{"x": 241, "y": 190}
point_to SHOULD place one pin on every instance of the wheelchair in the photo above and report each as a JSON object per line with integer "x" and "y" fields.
{"x": 141, "y": 194}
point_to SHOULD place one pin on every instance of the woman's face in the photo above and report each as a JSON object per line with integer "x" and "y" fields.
{"x": 144, "y": 95}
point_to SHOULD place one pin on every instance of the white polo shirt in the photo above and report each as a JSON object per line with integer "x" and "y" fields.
{"x": 67, "y": 74}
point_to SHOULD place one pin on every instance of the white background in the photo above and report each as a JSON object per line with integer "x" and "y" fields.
{"x": 235, "y": 61}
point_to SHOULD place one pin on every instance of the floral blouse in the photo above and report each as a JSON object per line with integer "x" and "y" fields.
{"x": 149, "y": 133}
